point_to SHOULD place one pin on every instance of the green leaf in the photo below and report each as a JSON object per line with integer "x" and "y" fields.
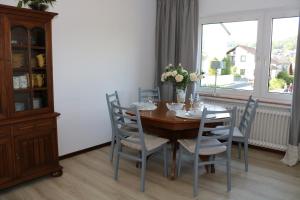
{"x": 20, "y": 4}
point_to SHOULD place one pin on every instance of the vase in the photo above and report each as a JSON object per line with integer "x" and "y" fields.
{"x": 180, "y": 95}
{"x": 38, "y": 6}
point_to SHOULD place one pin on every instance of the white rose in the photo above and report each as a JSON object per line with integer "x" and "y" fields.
{"x": 174, "y": 73}
{"x": 178, "y": 78}
{"x": 163, "y": 77}
{"x": 168, "y": 74}
{"x": 194, "y": 77}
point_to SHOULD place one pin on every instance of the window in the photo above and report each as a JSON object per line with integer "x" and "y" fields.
{"x": 256, "y": 52}
{"x": 283, "y": 54}
{"x": 228, "y": 43}
{"x": 243, "y": 58}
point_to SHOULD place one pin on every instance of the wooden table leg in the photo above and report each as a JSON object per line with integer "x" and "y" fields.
{"x": 174, "y": 160}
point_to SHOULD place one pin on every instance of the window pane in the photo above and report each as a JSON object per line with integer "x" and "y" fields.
{"x": 233, "y": 46}
{"x": 283, "y": 55}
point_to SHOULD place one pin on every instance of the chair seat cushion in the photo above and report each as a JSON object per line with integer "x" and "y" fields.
{"x": 190, "y": 145}
{"x": 151, "y": 142}
{"x": 236, "y": 132}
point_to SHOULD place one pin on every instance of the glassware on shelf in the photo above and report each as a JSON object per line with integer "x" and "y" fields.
{"x": 20, "y": 82}
{"x": 38, "y": 80}
{"x": 28, "y": 53}
{"x": 37, "y": 103}
{"x": 19, "y": 106}
{"x": 18, "y": 59}
{"x": 40, "y": 60}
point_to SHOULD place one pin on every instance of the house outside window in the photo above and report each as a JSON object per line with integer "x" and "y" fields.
{"x": 256, "y": 51}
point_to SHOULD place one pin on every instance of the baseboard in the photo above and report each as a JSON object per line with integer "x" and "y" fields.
{"x": 76, "y": 153}
{"x": 262, "y": 148}
{"x": 266, "y": 149}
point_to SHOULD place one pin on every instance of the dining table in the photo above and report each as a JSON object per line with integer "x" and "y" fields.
{"x": 164, "y": 123}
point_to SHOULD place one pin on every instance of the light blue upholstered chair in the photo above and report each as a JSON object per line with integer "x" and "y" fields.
{"x": 145, "y": 94}
{"x": 114, "y": 98}
{"x": 210, "y": 145}
{"x": 242, "y": 132}
{"x": 139, "y": 141}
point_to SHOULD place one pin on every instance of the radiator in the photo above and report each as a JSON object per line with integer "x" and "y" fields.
{"x": 270, "y": 128}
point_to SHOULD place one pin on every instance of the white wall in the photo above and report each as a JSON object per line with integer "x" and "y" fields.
{"x": 98, "y": 46}
{"x": 215, "y": 7}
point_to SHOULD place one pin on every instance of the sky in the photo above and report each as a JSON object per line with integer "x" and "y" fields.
{"x": 216, "y": 40}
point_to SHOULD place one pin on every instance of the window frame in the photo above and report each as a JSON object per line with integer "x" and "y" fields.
{"x": 263, "y": 52}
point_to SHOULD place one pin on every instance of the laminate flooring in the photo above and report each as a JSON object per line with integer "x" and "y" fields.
{"x": 89, "y": 176}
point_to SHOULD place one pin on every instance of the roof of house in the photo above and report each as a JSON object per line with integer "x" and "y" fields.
{"x": 251, "y": 50}
{"x": 248, "y": 49}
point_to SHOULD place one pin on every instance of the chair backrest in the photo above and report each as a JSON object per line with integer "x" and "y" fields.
{"x": 145, "y": 94}
{"x": 121, "y": 114}
{"x": 248, "y": 116}
{"x": 208, "y": 120}
{"x": 112, "y": 98}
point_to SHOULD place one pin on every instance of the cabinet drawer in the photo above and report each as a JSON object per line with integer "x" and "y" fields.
{"x": 30, "y": 127}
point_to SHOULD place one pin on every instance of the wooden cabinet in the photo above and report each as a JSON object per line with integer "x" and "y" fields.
{"x": 34, "y": 145}
{"x": 6, "y": 155}
{"x": 28, "y": 133}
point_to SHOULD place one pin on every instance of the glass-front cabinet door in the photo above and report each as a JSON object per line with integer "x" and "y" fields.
{"x": 29, "y": 68}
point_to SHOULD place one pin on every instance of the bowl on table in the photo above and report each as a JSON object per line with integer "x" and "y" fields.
{"x": 175, "y": 106}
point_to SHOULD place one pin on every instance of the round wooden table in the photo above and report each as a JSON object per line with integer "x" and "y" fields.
{"x": 164, "y": 123}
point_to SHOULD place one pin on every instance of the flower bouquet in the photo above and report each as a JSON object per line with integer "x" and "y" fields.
{"x": 180, "y": 77}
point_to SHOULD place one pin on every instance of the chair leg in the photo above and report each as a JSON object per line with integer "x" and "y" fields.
{"x": 143, "y": 170}
{"x": 179, "y": 160}
{"x": 165, "y": 160}
{"x": 239, "y": 150}
{"x": 112, "y": 147}
{"x": 246, "y": 155}
{"x": 196, "y": 176}
{"x": 228, "y": 168}
{"x": 117, "y": 161}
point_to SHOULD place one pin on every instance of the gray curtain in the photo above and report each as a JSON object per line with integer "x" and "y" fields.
{"x": 293, "y": 153}
{"x": 176, "y": 39}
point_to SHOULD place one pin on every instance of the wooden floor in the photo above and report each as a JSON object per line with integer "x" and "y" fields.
{"x": 89, "y": 177}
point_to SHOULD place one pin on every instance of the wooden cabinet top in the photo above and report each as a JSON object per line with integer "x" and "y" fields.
{"x": 26, "y": 12}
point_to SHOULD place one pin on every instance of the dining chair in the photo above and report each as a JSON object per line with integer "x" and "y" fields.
{"x": 145, "y": 94}
{"x": 210, "y": 145}
{"x": 144, "y": 143}
{"x": 114, "y": 98}
{"x": 242, "y": 132}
